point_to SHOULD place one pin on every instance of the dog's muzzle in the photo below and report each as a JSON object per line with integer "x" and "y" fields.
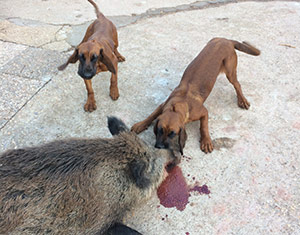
{"x": 86, "y": 74}
{"x": 161, "y": 145}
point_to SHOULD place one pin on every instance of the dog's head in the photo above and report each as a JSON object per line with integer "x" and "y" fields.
{"x": 167, "y": 126}
{"x": 89, "y": 54}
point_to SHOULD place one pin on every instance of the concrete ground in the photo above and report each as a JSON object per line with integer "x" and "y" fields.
{"x": 253, "y": 173}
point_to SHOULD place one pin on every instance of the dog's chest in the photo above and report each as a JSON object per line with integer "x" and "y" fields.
{"x": 101, "y": 67}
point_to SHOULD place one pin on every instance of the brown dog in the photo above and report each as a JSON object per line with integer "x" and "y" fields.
{"x": 185, "y": 104}
{"x": 97, "y": 52}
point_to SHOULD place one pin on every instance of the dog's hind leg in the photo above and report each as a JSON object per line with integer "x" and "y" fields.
{"x": 116, "y": 44}
{"x": 230, "y": 65}
{"x": 119, "y": 56}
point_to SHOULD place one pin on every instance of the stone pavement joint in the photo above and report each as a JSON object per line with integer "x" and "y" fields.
{"x": 18, "y": 109}
{"x": 125, "y": 20}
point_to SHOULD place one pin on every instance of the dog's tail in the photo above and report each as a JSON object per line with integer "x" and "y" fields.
{"x": 98, "y": 13}
{"x": 246, "y": 47}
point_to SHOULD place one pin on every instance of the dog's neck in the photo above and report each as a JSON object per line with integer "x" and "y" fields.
{"x": 102, "y": 41}
{"x": 181, "y": 108}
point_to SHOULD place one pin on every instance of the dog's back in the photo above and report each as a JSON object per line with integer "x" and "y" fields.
{"x": 202, "y": 72}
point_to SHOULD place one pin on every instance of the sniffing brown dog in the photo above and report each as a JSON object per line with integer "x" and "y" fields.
{"x": 185, "y": 104}
{"x": 97, "y": 52}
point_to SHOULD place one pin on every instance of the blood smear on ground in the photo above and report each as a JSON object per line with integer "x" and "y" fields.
{"x": 174, "y": 191}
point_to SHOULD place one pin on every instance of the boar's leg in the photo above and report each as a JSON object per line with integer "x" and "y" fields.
{"x": 118, "y": 229}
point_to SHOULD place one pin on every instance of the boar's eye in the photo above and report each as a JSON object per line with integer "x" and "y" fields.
{"x": 171, "y": 134}
{"x": 138, "y": 171}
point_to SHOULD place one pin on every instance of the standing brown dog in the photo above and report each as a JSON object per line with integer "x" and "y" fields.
{"x": 185, "y": 104}
{"x": 97, "y": 52}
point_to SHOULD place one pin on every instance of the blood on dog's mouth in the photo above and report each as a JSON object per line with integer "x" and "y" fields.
{"x": 170, "y": 166}
{"x": 174, "y": 161}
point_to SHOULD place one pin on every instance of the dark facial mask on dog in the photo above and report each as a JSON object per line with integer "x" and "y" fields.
{"x": 165, "y": 133}
{"x": 89, "y": 54}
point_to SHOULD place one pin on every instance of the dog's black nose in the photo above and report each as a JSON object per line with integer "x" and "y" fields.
{"x": 161, "y": 145}
{"x": 88, "y": 69}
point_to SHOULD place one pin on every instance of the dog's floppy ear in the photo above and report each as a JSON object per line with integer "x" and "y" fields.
{"x": 182, "y": 139}
{"x": 72, "y": 59}
{"x": 137, "y": 169}
{"x": 116, "y": 126}
{"x": 155, "y": 127}
{"x": 106, "y": 57}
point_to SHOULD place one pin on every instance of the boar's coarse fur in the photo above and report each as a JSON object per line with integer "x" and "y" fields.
{"x": 77, "y": 186}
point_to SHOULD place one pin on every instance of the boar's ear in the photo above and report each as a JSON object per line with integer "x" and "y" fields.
{"x": 116, "y": 126}
{"x": 137, "y": 169}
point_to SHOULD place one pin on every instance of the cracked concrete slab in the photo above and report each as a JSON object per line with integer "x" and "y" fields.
{"x": 77, "y": 29}
{"x": 79, "y": 11}
{"x": 253, "y": 174}
{"x": 15, "y": 93}
{"x": 26, "y": 35}
{"x": 9, "y": 51}
{"x": 34, "y": 63}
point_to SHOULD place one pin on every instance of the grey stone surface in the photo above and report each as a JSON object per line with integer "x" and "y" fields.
{"x": 9, "y": 51}
{"x": 80, "y": 11}
{"x": 253, "y": 174}
{"x": 34, "y": 63}
{"x": 61, "y": 46}
{"x": 76, "y": 35}
{"x": 15, "y": 93}
{"x": 27, "y": 35}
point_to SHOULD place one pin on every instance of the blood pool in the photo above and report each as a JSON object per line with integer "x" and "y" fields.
{"x": 174, "y": 191}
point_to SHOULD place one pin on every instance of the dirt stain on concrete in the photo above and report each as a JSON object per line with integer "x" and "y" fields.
{"x": 223, "y": 142}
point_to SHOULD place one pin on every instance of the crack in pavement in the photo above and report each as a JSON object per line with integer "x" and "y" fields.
{"x": 25, "y": 103}
{"x": 133, "y": 18}
{"x": 125, "y": 20}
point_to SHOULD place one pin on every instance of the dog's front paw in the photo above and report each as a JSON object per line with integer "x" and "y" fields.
{"x": 114, "y": 93}
{"x": 243, "y": 103}
{"x": 90, "y": 106}
{"x": 138, "y": 127}
{"x": 206, "y": 145}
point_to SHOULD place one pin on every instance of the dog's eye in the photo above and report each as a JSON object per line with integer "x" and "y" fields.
{"x": 171, "y": 134}
{"x": 81, "y": 57}
{"x": 94, "y": 57}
